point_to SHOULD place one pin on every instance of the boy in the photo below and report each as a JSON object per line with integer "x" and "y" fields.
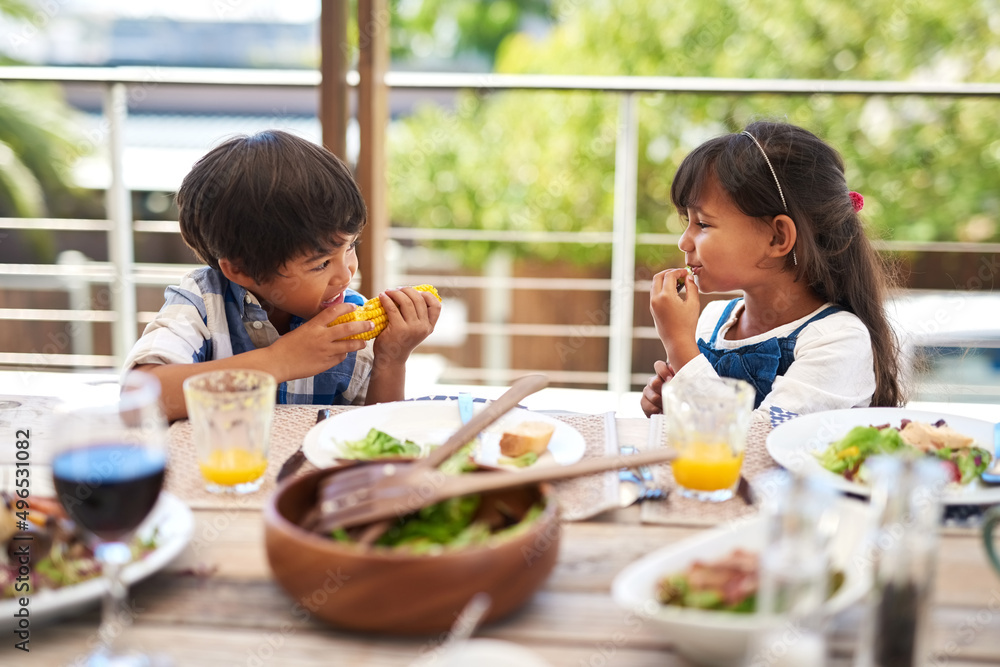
{"x": 277, "y": 219}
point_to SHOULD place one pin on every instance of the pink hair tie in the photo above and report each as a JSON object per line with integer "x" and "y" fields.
{"x": 857, "y": 201}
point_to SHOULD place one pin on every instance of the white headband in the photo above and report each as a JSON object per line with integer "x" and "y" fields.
{"x": 769, "y": 166}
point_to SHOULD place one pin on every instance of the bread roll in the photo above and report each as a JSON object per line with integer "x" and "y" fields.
{"x": 526, "y": 437}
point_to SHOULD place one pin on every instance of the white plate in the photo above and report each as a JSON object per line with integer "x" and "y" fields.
{"x": 429, "y": 423}
{"x": 719, "y": 638}
{"x": 175, "y": 525}
{"x": 793, "y": 444}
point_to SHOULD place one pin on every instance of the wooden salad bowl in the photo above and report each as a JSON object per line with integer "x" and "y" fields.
{"x": 395, "y": 591}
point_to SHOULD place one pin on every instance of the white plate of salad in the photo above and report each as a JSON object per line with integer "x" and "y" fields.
{"x": 826, "y": 444}
{"x": 713, "y": 636}
{"x": 412, "y": 428}
{"x": 161, "y": 537}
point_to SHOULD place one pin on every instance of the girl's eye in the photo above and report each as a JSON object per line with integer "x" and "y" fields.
{"x": 355, "y": 243}
{"x": 322, "y": 266}
{"x": 701, "y": 225}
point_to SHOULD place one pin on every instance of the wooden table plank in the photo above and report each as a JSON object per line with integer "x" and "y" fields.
{"x": 194, "y": 647}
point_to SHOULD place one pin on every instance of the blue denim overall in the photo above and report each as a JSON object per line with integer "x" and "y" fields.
{"x": 758, "y": 364}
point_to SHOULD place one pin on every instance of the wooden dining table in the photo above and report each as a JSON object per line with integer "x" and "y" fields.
{"x": 217, "y": 603}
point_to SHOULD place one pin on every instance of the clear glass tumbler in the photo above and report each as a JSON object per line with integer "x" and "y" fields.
{"x": 231, "y": 412}
{"x": 706, "y": 423}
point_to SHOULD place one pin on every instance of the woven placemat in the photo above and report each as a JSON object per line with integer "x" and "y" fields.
{"x": 679, "y": 510}
{"x": 291, "y": 423}
{"x": 583, "y": 497}
{"x": 578, "y": 498}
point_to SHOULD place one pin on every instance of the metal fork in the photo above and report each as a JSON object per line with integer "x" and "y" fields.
{"x": 642, "y": 476}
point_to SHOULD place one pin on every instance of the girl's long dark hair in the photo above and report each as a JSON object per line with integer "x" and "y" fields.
{"x": 835, "y": 257}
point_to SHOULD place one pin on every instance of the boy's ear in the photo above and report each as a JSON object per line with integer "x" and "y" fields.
{"x": 234, "y": 272}
{"x": 785, "y": 235}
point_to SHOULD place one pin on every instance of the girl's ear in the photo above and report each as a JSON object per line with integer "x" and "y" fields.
{"x": 785, "y": 235}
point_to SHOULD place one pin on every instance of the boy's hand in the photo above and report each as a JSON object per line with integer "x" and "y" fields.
{"x": 675, "y": 315}
{"x": 410, "y": 318}
{"x": 652, "y": 399}
{"x": 314, "y": 347}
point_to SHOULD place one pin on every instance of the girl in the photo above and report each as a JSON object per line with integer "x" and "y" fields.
{"x": 769, "y": 213}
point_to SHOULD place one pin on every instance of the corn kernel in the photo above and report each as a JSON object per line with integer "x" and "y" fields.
{"x": 375, "y": 313}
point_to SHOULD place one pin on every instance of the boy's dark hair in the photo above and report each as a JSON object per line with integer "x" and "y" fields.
{"x": 264, "y": 199}
{"x": 834, "y": 255}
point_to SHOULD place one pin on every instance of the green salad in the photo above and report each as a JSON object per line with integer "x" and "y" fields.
{"x": 847, "y": 456}
{"x": 727, "y": 584}
{"x": 377, "y": 445}
{"x": 450, "y": 524}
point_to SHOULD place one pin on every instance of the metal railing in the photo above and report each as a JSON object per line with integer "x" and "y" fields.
{"x": 122, "y": 274}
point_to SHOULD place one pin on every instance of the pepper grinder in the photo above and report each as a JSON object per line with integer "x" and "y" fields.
{"x": 902, "y": 548}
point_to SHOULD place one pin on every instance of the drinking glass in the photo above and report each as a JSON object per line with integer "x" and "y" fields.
{"x": 906, "y": 513}
{"x": 800, "y": 520}
{"x": 108, "y": 465}
{"x": 706, "y": 424}
{"x": 231, "y": 413}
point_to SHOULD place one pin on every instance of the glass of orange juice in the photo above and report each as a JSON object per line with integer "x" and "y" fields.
{"x": 231, "y": 413}
{"x": 706, "y": 423}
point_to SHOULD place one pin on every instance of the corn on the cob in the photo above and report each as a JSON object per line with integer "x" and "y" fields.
{"x": 373, "y": 311}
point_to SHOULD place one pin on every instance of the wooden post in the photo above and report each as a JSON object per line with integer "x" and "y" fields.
{"x": 373, "y": 116}
{"x": 333, "y": 90}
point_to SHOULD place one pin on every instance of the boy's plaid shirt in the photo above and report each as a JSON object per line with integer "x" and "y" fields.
{"x": 208, "y": 317}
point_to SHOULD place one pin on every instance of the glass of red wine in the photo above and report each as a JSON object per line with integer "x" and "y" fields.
{"x": 108, "y": 464}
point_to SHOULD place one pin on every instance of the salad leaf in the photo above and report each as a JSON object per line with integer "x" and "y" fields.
{"x": 461, "y": 461}
{"x": 971, "y": 462}
{"x": 448, "y": 524}
{"x": 846, "y": 455}
{"x": 440, "y": 523}
{"x": 378, "y": 444}
{"x": 522, "y": 461}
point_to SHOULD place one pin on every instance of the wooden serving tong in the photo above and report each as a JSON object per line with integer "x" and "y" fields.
{"x": 345, "y": 505}
{"x": 386, "y": 481}
{"x": 374, "y": 492}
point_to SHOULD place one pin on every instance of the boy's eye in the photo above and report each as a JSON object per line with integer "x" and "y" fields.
{"x": 322, "y": 266}
{"x": 355, "y": 243}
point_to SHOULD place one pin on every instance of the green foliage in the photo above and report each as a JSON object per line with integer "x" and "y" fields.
{"x": 448, "y": 28}
{"x": 928, "y": 167}
{"x": 37, "y": 143}
{"x": 20, "y": 9}
{"x": 34, "y": 129}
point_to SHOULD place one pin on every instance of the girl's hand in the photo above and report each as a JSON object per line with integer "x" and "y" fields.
{"x": 652, "y": 399}
{"x": 410, "y": 318}
{"x": 675, "y": 315}
{"x": 314, "y": 347}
